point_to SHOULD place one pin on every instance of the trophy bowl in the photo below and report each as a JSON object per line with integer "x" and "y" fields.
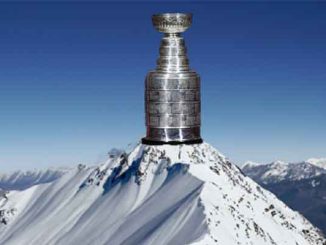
{"x": 172, "y": 22}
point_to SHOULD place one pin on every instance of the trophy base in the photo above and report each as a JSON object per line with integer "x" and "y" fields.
{"x": 154, "y": 142}
{"x": 172, "y": 136}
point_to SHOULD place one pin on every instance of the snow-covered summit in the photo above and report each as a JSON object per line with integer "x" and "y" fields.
{"x": 319, "y": 162}
{"x": 187, "y": 194}
{"x": 250, "y": 164}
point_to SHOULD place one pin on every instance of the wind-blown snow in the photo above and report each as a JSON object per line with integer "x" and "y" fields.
{"x": 187, "y": 194}
{"x": 20, "y": 180}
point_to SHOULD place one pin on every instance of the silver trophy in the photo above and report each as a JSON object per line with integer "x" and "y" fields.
{"x": 172, "y": 96}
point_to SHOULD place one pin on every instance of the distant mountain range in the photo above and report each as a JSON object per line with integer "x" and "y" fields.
{"x": 302, "y": 186}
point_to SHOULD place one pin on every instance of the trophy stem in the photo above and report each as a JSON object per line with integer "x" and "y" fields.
{"x": 173, "y": 54}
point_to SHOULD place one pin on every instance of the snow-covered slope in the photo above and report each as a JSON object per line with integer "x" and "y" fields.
{"x": 300, "y": 185}
{"x": 278, "y": 171}
{"x": 20, "y": 180}
{"x": 188, "y": 194}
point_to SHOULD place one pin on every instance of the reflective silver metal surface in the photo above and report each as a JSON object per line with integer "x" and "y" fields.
{"x": 172, "y": 90}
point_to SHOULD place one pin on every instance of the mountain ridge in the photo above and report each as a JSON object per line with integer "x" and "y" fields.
{"x": 188, "y": 194}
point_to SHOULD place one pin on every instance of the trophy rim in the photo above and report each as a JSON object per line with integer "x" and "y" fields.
{"x": 158, "y": 18}
{"x": 173, "y": 14}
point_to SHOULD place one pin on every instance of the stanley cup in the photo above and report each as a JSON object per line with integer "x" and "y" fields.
{"x": 172, "y": 96}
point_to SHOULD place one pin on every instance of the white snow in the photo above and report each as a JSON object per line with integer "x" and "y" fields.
{"x": 250, "y": 164}
{"x": 315, "y": 183}
{"x": 319, "y": 162}
{"x": 187, "y": 194}
{"x": 20, "y": 180}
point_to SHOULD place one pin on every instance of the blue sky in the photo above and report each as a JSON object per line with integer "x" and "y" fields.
{"x": 72, "y": 76}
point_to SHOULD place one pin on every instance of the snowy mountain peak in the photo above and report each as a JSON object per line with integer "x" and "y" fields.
{"x": 279, "y": 162}
{"x": 186, "y": 194}
{"x": 319, "y": 162}
{"x": 250, "y": 164}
